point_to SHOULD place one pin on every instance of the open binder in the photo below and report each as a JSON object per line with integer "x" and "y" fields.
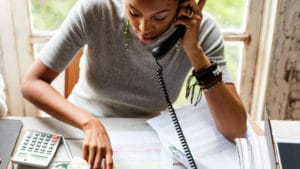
{"x": 210, "y": 148}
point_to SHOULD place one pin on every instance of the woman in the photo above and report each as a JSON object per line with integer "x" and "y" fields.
{"x": 117, "y": 71}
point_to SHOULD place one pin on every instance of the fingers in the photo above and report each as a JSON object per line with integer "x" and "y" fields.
{"x": 91, "y": 155}
{"x": 201, "y": 4}
{"x": 190, "y": 13}
{"x": 108, "y": 160}
{"x": 185, "y": 13}
{"x": 96, "y": 148}
{"x": 195, "y": 6}
{"x": 99, "y": 157}
{"x": 103, "y": 158}
{"x": 85, "y": 152}
{"x": 191, "y": 4}
{"x": 96, "y": 156}
{"x": 188, "y": 18}
{"x": 189, "y": 23}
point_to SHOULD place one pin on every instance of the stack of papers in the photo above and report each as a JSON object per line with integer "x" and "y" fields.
{"x": 206, "y": 143}
{"x": 253, "y": 153}
{"x": 209, "y": 147}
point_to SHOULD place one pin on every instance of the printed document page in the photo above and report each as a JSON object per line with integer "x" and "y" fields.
{"x": 138, "y": 149}
{"x": 131, "y": 150}
{"x": 205, "y": 141}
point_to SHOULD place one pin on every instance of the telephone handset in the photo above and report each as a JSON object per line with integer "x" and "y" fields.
{"x": 158, "y": 53}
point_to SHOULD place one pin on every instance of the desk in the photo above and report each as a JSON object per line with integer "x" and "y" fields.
{"x": 284, "y": 128}
{"x": 74, "y": 136}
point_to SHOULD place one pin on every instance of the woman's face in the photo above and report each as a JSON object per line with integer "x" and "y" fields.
{"x": 150, "y": 18}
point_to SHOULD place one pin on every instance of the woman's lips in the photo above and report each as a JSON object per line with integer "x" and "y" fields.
{"x": 147, "y": 39}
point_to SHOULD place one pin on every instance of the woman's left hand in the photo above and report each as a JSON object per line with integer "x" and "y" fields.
{"x": 190, "y": 15}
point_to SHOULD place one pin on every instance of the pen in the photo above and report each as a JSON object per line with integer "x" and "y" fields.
{"x": 67, "y": 148}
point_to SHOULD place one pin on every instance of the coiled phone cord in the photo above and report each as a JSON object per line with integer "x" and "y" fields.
{"x": 173, "y": 115}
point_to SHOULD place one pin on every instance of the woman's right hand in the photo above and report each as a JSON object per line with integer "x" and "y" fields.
{"x": 97, "y": 150}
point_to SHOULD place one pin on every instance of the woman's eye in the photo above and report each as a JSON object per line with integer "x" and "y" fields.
{"x": 134, "y": 14}
{"x": 159, "y": 18}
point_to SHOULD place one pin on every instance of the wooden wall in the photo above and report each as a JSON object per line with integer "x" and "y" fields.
{"x": 283, "y": 91}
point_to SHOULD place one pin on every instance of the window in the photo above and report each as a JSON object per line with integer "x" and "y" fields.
{"x": 231, "y": 16}
{"x": 46, "y": 17}
{"x": 240, "y": 20}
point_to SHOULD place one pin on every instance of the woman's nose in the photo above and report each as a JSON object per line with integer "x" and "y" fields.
{"x": 145, "y": 27}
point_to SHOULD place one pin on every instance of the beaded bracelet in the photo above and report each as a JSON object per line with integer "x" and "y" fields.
{"x": 206, "y": 78}
{"x": 207, "y": 73}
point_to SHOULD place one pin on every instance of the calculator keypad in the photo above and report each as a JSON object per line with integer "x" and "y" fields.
{"x": 40, "y": 143}
{"x": 37, "y": 148}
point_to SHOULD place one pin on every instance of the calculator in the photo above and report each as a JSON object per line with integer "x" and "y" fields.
{"x": 36, "y": 148}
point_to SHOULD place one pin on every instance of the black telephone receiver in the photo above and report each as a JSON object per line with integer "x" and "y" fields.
{"x": 159, "y": 51}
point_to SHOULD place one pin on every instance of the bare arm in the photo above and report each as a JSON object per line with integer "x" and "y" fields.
{"x": 227, "y": 109}
{"x": 224, "y": 102}
{"x": 37, "y": 89}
